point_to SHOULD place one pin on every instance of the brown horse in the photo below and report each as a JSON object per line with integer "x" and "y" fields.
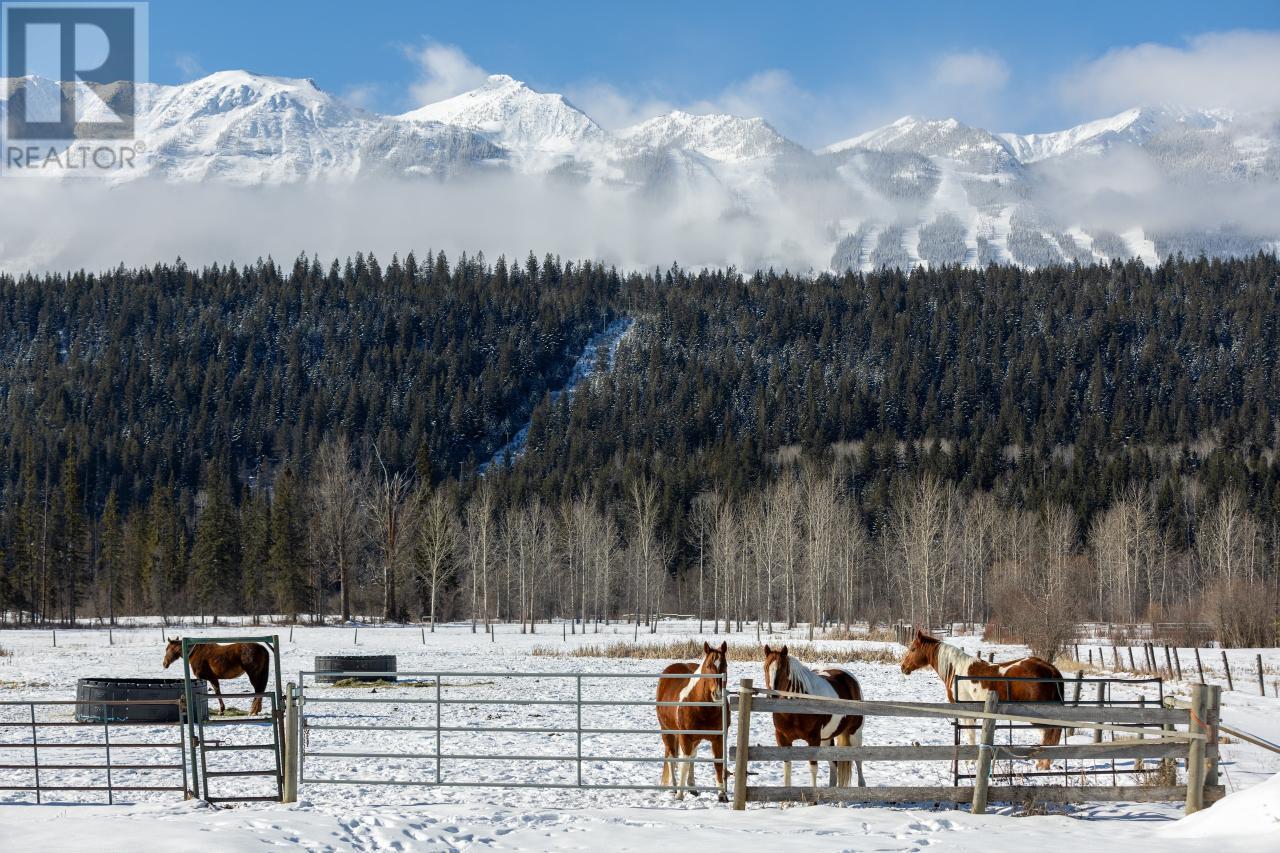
{"x": 950, "y": 662}
{"x": 788, "y": 675}
{"x": 680, "y": 749}
{"x": 212, "y": 661}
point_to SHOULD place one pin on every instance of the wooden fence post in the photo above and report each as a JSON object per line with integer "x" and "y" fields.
{"x": 985, "y": 749}
{"x": 1132, "y": 664}
{"x": 1168, "y": 661}
{"x": 1211, "y": 747}
{"x": 1199, "y": 666}
{"x": 1177, "y": 661}
{"x": 1262, "y": 685}
{"x": 1227, "y": 666}
{"x": 1195, "y": 748}
{"x": 291, "y": 741}
{"x": 744, "y": 743}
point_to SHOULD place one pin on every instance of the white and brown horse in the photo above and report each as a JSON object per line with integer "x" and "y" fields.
{"x": 679, "y": 750}
{"x": 952, "y": 663}
{"x": 785, "y": 674}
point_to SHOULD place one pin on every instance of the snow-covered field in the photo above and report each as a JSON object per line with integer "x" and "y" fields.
{"x": 372, "y": 816}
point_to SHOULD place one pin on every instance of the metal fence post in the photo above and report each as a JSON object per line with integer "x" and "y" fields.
{"x": 578, "y": 707}
{"x": 724, "y": 736}
{"x": 106, "y": 741}
{"x": 744, "y": 743}
{"x": 290, "y": 744}
{"x": 438, "y": 677}
{"x": 35, "y": 750}
{"x": 985, "y": 750}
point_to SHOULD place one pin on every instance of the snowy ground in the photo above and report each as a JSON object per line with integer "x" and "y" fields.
{"x": 373, "y": 817}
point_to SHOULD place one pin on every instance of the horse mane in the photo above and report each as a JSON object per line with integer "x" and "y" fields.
{"x": 805, "y": 680}
{"x": 950, "y": 660}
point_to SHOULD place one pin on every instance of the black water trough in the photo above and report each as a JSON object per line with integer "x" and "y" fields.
{"x": 90, "y": 692}
{"x": 354, "y": 663}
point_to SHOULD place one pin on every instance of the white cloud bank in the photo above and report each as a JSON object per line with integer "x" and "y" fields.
{"x": 444, "y": 71}
{"x": 1237, "y": 70}
{"x": 973, "y": 71}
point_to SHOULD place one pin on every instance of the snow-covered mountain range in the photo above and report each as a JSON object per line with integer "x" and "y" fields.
{"x": 917, "y": 191}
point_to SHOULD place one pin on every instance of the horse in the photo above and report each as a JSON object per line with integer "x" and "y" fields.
{"x": 950, "y": 662}
{"x": 211, "y": 662}
{"x": 672, "y": 688}
{"x": 786, "y": 674}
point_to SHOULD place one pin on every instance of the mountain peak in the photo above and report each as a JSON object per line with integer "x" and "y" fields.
{"x": 514, "y": 116}
{"x": 718, "y": 136}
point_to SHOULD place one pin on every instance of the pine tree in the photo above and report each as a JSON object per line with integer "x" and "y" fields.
{"x": 287, "y": 562}
{"x": 255, "y": 512}
{"x": 111, "y": 558}
{"x": 216, "y": 556}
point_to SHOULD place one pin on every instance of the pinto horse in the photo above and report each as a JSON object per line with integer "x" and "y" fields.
{"x": 950, "y": 662}
{"x": 672, "y": 688}
{"x": 788, "y": 675}
{"x": 212, "y": 661}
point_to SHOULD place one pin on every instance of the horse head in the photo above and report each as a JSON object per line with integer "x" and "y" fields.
{"x": 715, "y": 659}
{"x": 919, "y": 653}
{"x": 777, "y": 668}
{"x": 172, "y": 651}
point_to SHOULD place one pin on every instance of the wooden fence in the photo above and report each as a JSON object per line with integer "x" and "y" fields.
{"x": 1197, "y": 745}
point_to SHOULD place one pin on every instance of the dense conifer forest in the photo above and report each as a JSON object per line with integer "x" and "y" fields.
{"x": 309, "y": 440}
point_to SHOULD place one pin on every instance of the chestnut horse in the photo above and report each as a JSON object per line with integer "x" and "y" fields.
{"x": 706, "y": 718}
{"x": 950, "y": 662}
{"x": 788, "y": 675}
{"x": 212, "y": 661}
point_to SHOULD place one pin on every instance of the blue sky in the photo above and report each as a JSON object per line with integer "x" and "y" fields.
{"x": 818, "y": 71}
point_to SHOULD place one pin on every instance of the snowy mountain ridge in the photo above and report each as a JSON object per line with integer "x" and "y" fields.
{"x": 916, "y": 191}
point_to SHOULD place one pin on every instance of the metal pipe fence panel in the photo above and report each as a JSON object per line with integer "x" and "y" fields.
{"x": 490, "y": 729}
{"x": 1101, "y": 692}
{"x": 86, "y": 758}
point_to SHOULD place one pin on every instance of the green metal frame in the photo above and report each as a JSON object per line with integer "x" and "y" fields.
{"x": 196, "y": 726}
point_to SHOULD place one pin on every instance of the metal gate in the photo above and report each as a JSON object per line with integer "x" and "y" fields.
{"x": 71, "y": 757}
{"x": 445, "y": 737}
{"x": 212, "y": 739}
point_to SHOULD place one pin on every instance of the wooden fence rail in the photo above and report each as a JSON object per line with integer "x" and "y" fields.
{"x": 1196, "y": 744}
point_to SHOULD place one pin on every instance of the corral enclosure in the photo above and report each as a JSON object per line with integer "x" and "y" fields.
{"x": 39, "y": 670}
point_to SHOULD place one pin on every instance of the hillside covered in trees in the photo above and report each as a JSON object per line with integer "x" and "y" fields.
{"x": 928, "y": 446}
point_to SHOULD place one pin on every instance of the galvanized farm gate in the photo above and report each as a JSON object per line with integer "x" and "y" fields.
{"x": 213, "y": 737}
{"x": 429, "y": 721}
{"x": 67, "y": 757}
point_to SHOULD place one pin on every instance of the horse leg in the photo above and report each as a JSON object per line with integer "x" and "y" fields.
{"x": 840, "y": 769}
{"x": 856, "y": 740}
{"x": 692, "y": 753}
{"x": 668, "y": 750}
{"x": 217, "y": 690}
{"x": 786, "y": 765}
{"x": 833, "y": 768}
{"x": 259, "y": 682}
{"x": 717, "y": 752}
{"x": 1049, "y": 738}
{"x": 682, "y": 751}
